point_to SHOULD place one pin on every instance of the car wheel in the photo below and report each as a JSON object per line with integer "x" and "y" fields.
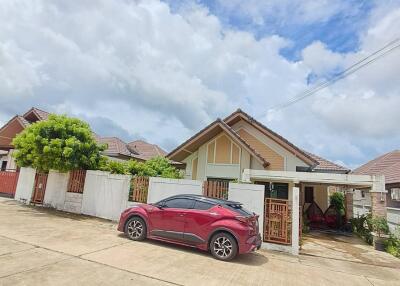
{"x": 223, "y": 246}
{"x": 136, "y": 229}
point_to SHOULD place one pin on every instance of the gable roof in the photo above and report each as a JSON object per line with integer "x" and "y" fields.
{"x": 239, "y": 114}
{"x": 315, "y": 162}
{"x": 388, "y": 164}
{"x": 8, "y": 130}
{"x": 35, "y": 114}
{"x": 210, "y": 131}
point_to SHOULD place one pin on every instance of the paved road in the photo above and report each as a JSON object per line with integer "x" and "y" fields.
{"x": 43, "y": 247}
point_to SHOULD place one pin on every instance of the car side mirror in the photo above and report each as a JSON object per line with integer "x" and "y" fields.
{"x": 160, "y": 205}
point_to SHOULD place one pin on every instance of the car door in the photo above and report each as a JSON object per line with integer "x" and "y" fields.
{"x": 168, "y": 220}
{"x": 198, "y": 222}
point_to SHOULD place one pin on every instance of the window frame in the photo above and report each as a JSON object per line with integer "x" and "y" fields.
{"x": 164, "y": 202}
{"x": 392, "y": 196}
{"x": 203, "y": 202}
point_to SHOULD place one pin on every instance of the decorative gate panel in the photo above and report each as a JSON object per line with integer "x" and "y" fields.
{"x": 39, "y": 188}
{"x": 278, "y": 221}
{"x": 8, "y": 182}
{"x": 216, "y": 189}
{"x": 139, "y": 189}
{"x": 76, "y": 181}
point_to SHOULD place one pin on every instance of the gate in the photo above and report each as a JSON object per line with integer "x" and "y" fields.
{"x": 8, "y": 182}
{"x": 76, "y": 181}
{"x": 278, "y": 222}
{"x": 39, "y": 188}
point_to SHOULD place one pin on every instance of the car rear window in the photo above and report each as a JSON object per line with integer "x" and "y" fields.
{"x": 239, "y": 209}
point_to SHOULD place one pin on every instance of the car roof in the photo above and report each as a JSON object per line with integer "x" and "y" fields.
{"x": 204, "y": 198}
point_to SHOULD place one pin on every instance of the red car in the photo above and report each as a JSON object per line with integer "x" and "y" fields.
{"x": 222, "y": 227}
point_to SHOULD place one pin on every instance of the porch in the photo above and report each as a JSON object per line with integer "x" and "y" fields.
{"x": 283, "y": 211}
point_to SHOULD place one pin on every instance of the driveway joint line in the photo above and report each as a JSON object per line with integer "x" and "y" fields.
{"x": 345, "y": 260}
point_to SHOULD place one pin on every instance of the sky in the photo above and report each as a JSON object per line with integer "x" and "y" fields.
{"x": 163, "y": 70}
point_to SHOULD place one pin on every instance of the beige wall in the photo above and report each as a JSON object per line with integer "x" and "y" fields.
{"x": 290, "y": 161}
{"x": 216, "y": 170}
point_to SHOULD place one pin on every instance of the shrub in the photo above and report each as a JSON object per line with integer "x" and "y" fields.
{"x": 363, "y": 227}
{"x": 156, "y": 167}
{"x": 392, "y": 245}
{"x": 380, "y": 225}
{"x": 114, "y": 167}
{"x": 337, "y": 201}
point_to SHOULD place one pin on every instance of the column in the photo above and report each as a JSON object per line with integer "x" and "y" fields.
{"x": 349, "y": 204}
{"x": 295, "y": 220}
{"x": 378, "y": 197}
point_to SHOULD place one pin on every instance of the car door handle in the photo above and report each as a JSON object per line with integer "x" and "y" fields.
{"x": 182, "y": 214}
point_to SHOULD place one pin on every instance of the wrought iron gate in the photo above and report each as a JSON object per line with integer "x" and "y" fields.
{"x": 39, "y": 188}
{"x": 277, "y": 228}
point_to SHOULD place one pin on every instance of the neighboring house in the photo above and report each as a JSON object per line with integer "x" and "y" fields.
{"x": 389, "y": 166}
{"x": 223, "y": 150}
{"x": 116, "y": 148}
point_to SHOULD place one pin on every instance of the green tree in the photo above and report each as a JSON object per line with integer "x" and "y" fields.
{"x": 59, "y": 143}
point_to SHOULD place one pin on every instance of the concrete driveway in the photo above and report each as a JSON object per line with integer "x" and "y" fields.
{"x": 44, "y": 247}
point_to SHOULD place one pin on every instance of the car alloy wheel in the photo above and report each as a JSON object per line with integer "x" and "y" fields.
{"x": 223, "y": 246}
{"x": 136, "y": 229}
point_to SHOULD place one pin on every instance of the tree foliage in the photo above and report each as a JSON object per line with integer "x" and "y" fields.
{"x": 155, "y": 167}
{"x": 59, "y": 143}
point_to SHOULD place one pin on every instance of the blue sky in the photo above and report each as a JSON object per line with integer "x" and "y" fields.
{"x": 339, "y": 31}
{"x": 162, "y": 70}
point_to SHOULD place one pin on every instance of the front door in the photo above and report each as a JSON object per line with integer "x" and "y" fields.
{"x": 168, "y": 220}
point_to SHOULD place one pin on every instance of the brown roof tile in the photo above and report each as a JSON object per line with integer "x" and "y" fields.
{"x": 388, "y": 164}
{"x": 326, "y": 165}
{"x": 146, "y": 150}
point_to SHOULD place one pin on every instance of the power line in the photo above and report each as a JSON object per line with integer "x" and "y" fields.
{"x": 388, "y": 48}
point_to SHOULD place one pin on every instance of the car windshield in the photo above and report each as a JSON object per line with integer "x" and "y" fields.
{"x": 239, "y": 209}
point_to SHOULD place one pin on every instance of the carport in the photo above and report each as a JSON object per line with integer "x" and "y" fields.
{"x": 282, "y": 216}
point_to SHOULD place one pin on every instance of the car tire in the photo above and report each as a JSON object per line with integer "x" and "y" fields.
{"x": 135, "y": 229}
{"x": 223, "y": 246}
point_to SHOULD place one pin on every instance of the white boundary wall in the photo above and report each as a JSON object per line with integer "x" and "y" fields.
{"x": 161, "y": 188}
{"x": 251, "y": 196}
{"x": 105, "y": 195}
{"x": 25, "y": 183}
{"x": 57, "y": 184}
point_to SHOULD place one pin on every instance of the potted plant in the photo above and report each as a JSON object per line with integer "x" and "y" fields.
{"x": 380, "y": 232}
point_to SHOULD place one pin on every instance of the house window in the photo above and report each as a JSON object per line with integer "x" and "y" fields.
{"x": 275, "y": 190}
{"x": 309, "y": 195}
{"x": 363, "y": 194}
{"x": 3, "y": 165}
{"x": 395, "y": 193}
